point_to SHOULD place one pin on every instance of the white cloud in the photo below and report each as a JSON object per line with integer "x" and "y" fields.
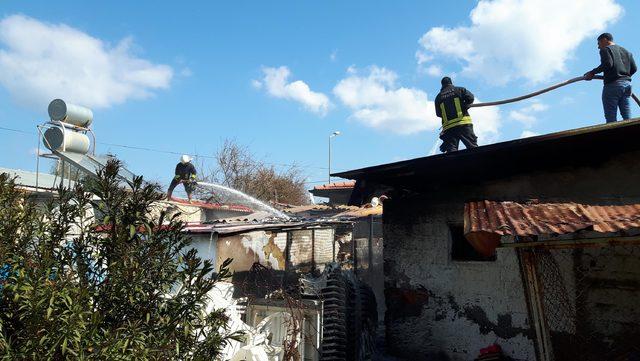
{"x": 378, "y": 102}
{"x": 423, "y": 57}
{"x": 256, "y": 84}
{"x": 526, "y": 119}
{"x": 528, "y": 133}
{"x": 186, "y": 72}
{"x": 514, "y": 39}
{"x": 486, "y": 123}
{"x": 42, "y": 61}
{"x": 434, "y": 70}
{"x": 334, "y": 55}
{"x": 526, "y": 114}
{"x": 276, "y": 83}
{"x": 536, "y": 106}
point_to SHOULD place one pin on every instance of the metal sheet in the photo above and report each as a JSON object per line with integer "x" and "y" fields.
{"x": 91, "y": 164}
{"x": 27, "y": 179}
{"x": 530, "y": 219}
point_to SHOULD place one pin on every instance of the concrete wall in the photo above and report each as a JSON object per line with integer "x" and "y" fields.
{"x": 438, "y": 308}
{"x": 449, "y": 310}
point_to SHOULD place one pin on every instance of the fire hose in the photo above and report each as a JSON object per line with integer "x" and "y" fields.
{"x": 545, "y": 90}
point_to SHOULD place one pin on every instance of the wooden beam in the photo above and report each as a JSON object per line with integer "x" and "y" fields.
{"x": 576, "y": 243}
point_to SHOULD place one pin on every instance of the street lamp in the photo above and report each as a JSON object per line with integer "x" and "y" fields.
{"x": 334, "y": 134}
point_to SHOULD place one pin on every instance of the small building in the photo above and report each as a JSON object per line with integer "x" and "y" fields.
{"x": 288, "y": 268}
{"x": 531, "y": 244}
{"x": 336, "y": 192}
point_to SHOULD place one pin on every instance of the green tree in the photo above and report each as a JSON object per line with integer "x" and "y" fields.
{"x": 122, "y": 284}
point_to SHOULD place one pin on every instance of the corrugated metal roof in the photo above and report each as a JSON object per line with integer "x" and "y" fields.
{"x": 542, "y": 218}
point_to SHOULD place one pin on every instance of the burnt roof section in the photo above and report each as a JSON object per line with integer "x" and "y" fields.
{"x": 587, "y": 146}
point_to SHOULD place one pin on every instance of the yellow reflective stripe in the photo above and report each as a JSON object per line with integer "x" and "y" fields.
{"x": 456, "y": 101}
{"x": 444, "y": 114}
{"x": 458, "y": 121}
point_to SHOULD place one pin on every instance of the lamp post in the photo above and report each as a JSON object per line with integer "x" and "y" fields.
{"x": 334, "y": 134}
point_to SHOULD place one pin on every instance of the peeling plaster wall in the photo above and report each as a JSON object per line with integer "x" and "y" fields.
{"x": 444, "y": 309}
{"x": 307, "y": 247}
{"x": 267, "y": 248}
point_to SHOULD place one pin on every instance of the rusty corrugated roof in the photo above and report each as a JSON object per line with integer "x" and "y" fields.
{"x": 336, "y": 185}
{"x": 318, "y": 207}
{"x": 547, "y": 218}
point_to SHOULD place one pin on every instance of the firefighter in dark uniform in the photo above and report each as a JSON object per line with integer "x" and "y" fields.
{"x": 185, "y": 174}
{"x": 452, "y": 105}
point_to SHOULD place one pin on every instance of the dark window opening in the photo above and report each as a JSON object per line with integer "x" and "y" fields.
{"x": 461, "y": 249}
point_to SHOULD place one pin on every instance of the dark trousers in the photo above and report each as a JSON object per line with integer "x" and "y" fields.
{"x": 451, "y": 138}
{"x": 188, "y": 185}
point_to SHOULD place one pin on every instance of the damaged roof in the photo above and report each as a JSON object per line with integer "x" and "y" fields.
{"x": 583, "y": 146}
{"x": 532, "y": 219}
{"x": 213, "y": 206}
{"x": 243, "y": 227}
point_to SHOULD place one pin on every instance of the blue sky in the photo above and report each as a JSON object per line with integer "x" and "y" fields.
{"x": 281, "y": 76}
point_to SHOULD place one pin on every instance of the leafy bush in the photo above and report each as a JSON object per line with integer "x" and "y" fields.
{"x": 119, "y": 285}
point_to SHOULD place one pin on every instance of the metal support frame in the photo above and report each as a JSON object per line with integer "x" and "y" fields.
{"x": 65, "y": 127}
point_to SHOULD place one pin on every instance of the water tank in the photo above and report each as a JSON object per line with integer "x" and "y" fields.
{"x": 55, "y": 138}
{"x": 70, "y": 113}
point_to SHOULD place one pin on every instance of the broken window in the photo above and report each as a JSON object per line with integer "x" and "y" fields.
{"x": 461, "y": 249}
